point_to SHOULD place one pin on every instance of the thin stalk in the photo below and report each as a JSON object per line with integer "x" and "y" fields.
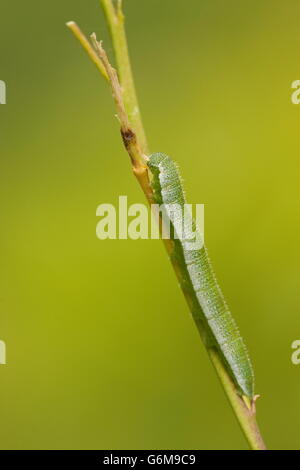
{"x": 115, "y": 20}
{"x": 87, "y": 47}
{"x": 128, "y": 134}
{"x": 136, "y": 145}
{"x": 245, "y": 415}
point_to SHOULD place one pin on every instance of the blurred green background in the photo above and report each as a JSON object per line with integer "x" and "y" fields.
{"x": 101, "y": 350}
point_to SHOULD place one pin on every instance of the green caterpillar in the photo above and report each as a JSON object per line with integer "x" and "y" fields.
{"x": 207, "y": 304}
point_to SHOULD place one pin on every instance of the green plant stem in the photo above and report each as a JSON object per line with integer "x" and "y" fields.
{"x": 115, "y": 20}
{"x": 245, "y": 416}
{"x": 87, "y": 47}
{"x": 136, "y": 145}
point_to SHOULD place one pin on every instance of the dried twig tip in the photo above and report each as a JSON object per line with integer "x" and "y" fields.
{"x": 98, "y": 45}
{"x": 114, "y": 81}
